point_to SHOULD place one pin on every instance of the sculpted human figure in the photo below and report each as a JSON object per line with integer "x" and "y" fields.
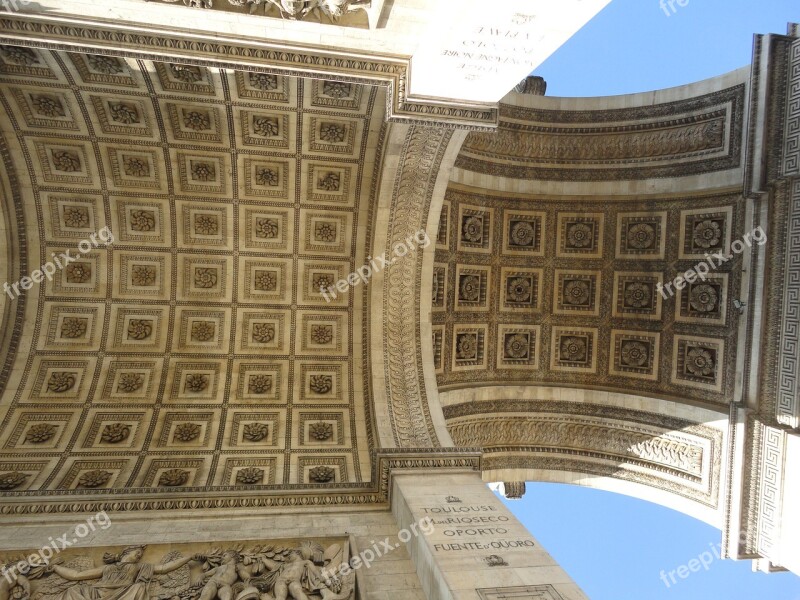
{"x": 299, "y": 9}
{"x": 297, "y": 577}
{"x": 123, "y": 577}
{"x": 222, "y": 578}
{"x": 14, "y": 586}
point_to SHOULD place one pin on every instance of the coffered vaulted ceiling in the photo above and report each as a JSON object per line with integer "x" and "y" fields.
{"x": 196, "y": 350}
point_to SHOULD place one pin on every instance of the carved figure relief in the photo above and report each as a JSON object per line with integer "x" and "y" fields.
{"x": 296, "y": 571}
{"x": 295, "y": 10}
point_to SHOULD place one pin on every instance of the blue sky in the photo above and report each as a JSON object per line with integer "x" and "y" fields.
{"x": 612, "y": 545}
{"x": 633, "y": 46}
{"x": 615, "y": 548}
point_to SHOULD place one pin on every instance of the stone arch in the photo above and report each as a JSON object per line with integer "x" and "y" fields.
{"x": 652, "y": 449}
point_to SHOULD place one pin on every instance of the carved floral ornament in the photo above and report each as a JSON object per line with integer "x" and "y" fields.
{"x": 703, "y": 298}
{"x": 264, "y": 82}
{"x": 260, "y": 384}
{"x": 107, "y": 65}
{"x": 266, "y": 227}
{"x": 641, "y": 236}
{"x": 579, "y": 235}
{"x": 321, "y": 474}
{"x": 114, "y": 433}
{"x": 124, "y": 113}
{"x": 66, "y": 161}
{"x": 255, "y": 432}
{"x": 173, "y": 478}
{"x": 472, "y": 229}
{"x": 76, "y": 217}
{"x": 517, "y": 346}
{"x": 320, "y": 431}
{"x": 573, "y": 349}
{"x": 94, "y": 478}
{"x": 700, "y": 362}
{"x": 294, "y": 570}
{"x": 320, "y": 384}
{"x": 519, "y": 289}
{"x": 186, "y": 432}
{"x": 143, "y": 275}
{"x": 263, "y": 333}
{"x": 470, "y": 288}
{"x": 61, "y": 381}
{"x": 16, "y": 55}
{"x": 12, "y": 479}
{"x": 250, "y": 476}
{"x": 634, "y": 354}
{"x": 267, "y": 177}
{"x": 638, "y": 295}
{"x": 130, "y": 382}
{"x": 73, "y": 327}
{"x": 78, "y": 272}
{"x": 48, "y": 106}
{"x": 40, "y": 433}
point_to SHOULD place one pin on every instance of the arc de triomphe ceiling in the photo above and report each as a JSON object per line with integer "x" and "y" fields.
{"x": 198, "y": 211}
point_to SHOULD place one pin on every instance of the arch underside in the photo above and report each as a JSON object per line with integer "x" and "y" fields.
{"x": 531, "y": 327}
{"x": 554, "y": 350}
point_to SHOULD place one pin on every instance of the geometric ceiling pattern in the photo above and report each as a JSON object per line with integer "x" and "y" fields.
{"x": 196, "y": 349}
{"x": 558, "y": 292}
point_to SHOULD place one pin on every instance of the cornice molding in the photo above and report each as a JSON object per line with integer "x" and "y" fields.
{"x": 151, "y": 43}
{"x": 230, "y": 499}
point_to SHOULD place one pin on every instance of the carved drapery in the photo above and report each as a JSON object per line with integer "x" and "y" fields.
{"x": 245, "y": 570}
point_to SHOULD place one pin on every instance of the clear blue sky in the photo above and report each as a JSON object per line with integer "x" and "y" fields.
{"x": 612, "y": 545}
{"x": 632, "y": 46}
{"x": 615, "y": 548}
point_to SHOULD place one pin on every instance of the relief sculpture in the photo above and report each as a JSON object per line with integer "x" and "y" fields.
{"x": 291, "y": 9}
{"x": 299, "y": 571}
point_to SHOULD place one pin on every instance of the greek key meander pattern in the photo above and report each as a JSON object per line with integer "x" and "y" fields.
{"x": 788, "y": 366}
{"x": 762, "y": 487}
{"x": 791, "y": 157}
{"x": 770, "y": 490}
{"x": 235, "y": 372}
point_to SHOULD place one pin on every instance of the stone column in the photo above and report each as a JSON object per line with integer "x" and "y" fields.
{"x": 472, "y": 548}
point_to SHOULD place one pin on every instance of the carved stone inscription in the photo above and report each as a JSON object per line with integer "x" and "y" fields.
{"x": 275, "y": 570}
{"x": 486, "y": 50}
{"x": 474, "y": 527}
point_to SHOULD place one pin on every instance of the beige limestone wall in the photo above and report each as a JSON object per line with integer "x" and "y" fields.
{"x": 476, "y": 543}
